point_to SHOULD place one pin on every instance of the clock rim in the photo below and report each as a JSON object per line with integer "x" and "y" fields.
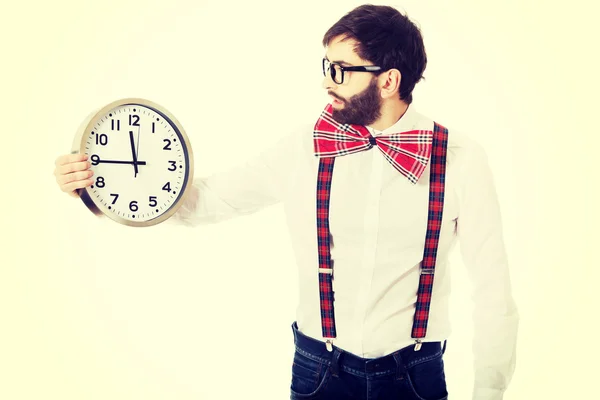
{"x": 79, "y": 147}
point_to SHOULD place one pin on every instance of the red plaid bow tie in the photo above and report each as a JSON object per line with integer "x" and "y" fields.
{"x": 408, "y": 151}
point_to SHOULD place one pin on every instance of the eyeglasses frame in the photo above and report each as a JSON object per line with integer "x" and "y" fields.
{"x": 359, "y": 68}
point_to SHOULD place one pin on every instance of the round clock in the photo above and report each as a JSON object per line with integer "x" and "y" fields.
{"x": 141, "y": 159}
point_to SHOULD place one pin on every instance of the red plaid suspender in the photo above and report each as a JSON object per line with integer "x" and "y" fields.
{"x": 437, "y": 179}
{"x": 324, "y": 243}
{"x": 434, "y": 221}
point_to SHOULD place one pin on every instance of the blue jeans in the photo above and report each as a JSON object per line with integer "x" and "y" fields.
{"x": 403, "y": 375}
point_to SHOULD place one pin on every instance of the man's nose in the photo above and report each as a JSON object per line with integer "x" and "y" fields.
{"x": 328, "y": 83}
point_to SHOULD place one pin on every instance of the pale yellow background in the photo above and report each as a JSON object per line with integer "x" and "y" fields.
{"x": 93, "y": 310}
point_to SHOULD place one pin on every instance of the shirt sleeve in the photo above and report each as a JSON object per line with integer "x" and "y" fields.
{"x": 495, "y": 315}
{"x": 244, "y": 188}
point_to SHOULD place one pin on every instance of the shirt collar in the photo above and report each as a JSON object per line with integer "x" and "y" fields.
{"x": 407, "y": 122}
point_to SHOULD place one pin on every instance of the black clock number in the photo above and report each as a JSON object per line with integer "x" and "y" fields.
{"x": 168, "y": 145}
{"x": 102, "y": 139}
{"x": 95, "y": 159}
{"x": 153, "y": 127}
{"x": 153, "y": 202}
{"x": 112, "y": 125}
{"x": 133, "y": 206}
{"x": 134, "y": 120}
{"x": 173, "y": 164}
{"x": 100, "y": 182}
{"x": 116, "y": 196}
{"x": 167, "y": 187}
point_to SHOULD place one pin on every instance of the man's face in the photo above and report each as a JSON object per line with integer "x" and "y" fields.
{"x": 357, "y": 99}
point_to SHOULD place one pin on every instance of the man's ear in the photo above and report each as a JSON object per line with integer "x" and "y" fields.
{"x": 390, "y": 81}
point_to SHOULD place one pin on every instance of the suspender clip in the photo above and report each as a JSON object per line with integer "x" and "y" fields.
{"x": 329, "y": 345}
{"x": 326, "y": 271}
{"x": 427, "y": 271}
{"x": 417, "y": 345}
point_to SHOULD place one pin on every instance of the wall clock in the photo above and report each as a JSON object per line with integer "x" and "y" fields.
{"x": 142, "y": 162}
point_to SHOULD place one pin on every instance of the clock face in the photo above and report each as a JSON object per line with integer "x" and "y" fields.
{"x": 140, "y": 162}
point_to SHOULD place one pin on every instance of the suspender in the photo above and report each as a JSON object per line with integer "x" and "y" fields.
{"x": 434, "y": 222}
{"x": 324, "y": 244}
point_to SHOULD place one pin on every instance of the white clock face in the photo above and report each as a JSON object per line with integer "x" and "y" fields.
{"x": 140, "y": 163}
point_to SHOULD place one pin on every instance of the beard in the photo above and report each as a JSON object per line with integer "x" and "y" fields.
{"x": 361, "y": 109}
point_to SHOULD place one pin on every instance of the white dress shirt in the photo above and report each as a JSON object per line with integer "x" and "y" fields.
{"x": 378, "y": 224}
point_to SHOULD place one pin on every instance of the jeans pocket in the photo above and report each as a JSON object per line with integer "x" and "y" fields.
{"x": 308, "y": 376}
{"x": 428, "y": 379}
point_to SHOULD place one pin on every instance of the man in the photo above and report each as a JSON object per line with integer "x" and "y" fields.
{"x": 371, "y": 233}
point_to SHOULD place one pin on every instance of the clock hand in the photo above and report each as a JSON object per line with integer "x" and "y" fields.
{"x": 120, "y": 162}
{"x": 135, "y": 168}
{"x": 137, "y": 150}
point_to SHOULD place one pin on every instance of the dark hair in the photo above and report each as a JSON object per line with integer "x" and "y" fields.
{"x": 386, "y": 38}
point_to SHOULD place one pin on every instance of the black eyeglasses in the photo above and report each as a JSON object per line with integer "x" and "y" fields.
{"x": 337, "y": 71}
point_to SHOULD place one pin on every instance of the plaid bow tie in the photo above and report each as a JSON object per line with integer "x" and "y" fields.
{"x": 407, "y": 151}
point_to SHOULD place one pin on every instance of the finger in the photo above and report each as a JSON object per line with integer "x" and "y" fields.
{"x": 70, "y": 158}
{"x": 74, "y": 177}
{"x": 72, "y": 167}
{"x": 73, "y": 194}
{"x": 72, "y": 186}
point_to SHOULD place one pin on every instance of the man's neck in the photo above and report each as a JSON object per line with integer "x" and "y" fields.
{"x": 391, "y": 112}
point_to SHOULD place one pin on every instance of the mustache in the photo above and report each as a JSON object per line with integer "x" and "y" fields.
{"x": 336, "y": 96}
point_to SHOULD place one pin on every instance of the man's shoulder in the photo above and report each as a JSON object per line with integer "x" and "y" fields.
{"x": 464, "y": 151}
{"x": 460, "y": 142}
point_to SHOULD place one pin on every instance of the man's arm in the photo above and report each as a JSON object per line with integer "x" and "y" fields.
{"x": 495, "y": 314}
{"x": 244, "y": 188}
